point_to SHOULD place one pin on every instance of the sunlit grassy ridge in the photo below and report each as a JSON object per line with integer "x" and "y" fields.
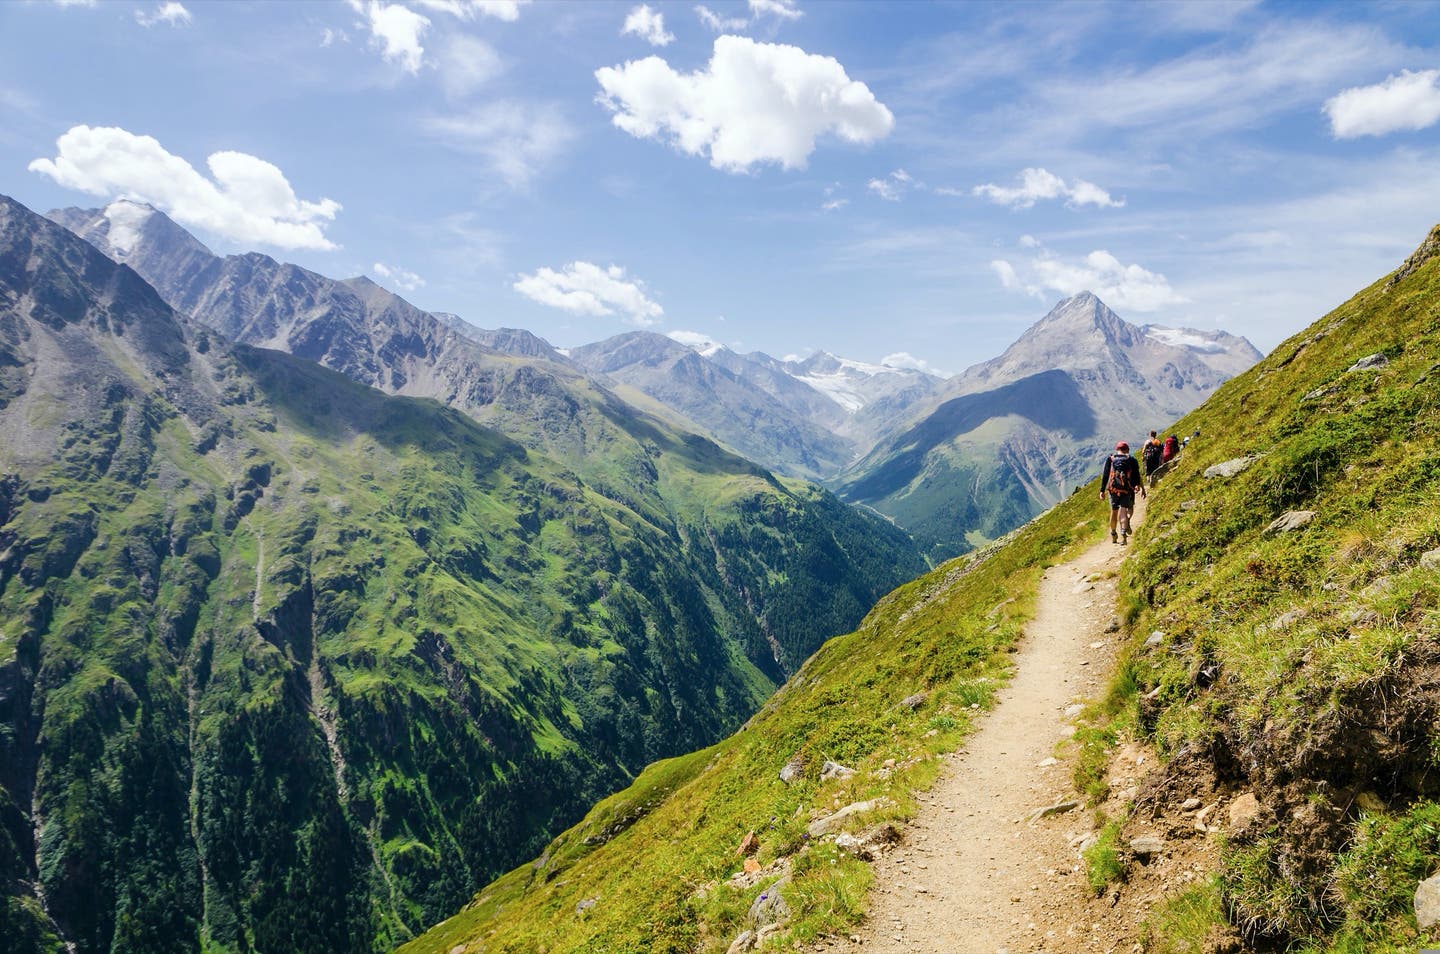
{"x": 1305, "y": 666}
{"x": 647, "y": 869}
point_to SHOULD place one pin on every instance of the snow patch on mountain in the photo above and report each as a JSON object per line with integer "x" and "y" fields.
{"x": 838, "y": 387}
{"x": 127, "y": 219}
{"x": 1184, "y": 338}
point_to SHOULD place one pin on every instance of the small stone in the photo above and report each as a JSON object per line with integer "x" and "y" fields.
{"x": 835, "y": 770}
{"x": 1114, "y": 625}
{"x": 1430, "y": 559}
{"x": 1190, "y": 805}
{"x": 1147, "y": 845}
{"x": 1290, "y": 521}
{"x": 1243, "y": 810}
{"x": 751, "y": 865}
{"x": 1369, "y": 802}
{"x": 1427, "y": 903}
{"x": 792, "y": 769}
{"x": 888, "y": 763}
{"x": 914, "y": 702}
{"x": 586, "y": 905}
{"x": 1047, "y": 762}
{"x": 1155, "y": 638}
{"x": 1074, "y": 710}
{"x": 1059, "y": 808}
{"x": 744, "y": 942}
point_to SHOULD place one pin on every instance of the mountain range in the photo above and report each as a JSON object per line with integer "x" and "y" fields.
{"x": 955, "y": 462}
{"x": 291, "y": 663}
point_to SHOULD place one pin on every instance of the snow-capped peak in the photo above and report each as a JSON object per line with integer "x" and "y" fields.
{"x": 1184, "y": 338}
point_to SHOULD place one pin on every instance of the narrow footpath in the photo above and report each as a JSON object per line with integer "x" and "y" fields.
{"x": 976, "y": 875}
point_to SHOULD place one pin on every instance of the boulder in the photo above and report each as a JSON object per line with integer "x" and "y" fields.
{"x": 1230, "y": 468}
{"x": 792, "y": 770}
{"x": 748, "y": 845}
{"x": 769, "y": 908}
{"x": 914, "y": 702}
{"x": 1290, "y": 521}
{"x": 1427, "y": 903}
{"x": 820, "y": 826}
{"x": 1430, "y": 559}
{"x": 744, "y": 941}
{"x": 1376, "y": 360}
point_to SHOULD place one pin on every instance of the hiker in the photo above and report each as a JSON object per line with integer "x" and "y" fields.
{"x": 1151, "y": 454}
{"x": 1172, "y": 447}
{"x": 1120, "y": 480}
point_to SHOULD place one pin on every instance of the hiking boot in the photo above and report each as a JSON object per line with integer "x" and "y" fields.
{"x": 1124, "y": 538}
{"x": 1113, "y": 538}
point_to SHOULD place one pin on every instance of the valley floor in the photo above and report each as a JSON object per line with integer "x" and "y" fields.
{"x": 976, "y": 875}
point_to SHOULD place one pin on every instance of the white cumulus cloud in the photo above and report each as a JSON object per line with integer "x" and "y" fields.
{"x": 1121, "y": 286}
{"x": 170, "y": 12}
{"x": 1038, "y": 184}
{"x": 507, "y": 10}
{"x": 752, "y": 103}
{"x": 396, "y": 30}
{"x": 1407, "y": 101}
{"x": 583, "y": 288}
{"x": 401, "y": 278}
{"x": 514, "y": 140}
{"x": 649, "y": 25}
{"x": 246, "y": 199}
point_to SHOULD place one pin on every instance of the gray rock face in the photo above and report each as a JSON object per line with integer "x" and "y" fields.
{"x": 1427, "y": 903}
{"x": 1230, "y": 468}
{"x": 820, "y": 826}
{"x": 1370, "y": 361}
{"x": 1290, "y": 521}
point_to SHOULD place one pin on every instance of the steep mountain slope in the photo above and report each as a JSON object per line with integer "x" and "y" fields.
{"x": 1296, "y": 667}
{"x": 288, "y": 664}
{"x": 751, "y": 420}
{"x": 1016, "y": 434}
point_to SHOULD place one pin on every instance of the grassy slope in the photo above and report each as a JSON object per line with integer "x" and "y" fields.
{"x": 1305, "y": 666}
{"x": 652, "y": 847}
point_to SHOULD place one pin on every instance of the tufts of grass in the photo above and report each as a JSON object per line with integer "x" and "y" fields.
{"x": 1103, "y": 865}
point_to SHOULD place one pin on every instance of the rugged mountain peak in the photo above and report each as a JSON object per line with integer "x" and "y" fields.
{"x": 1084, "y": 314}
{"x": 126, "y": 228}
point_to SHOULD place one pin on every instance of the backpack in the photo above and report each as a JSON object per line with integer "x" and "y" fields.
{"x": 1120, "y": 482}
{"x": 1153, "y": 449}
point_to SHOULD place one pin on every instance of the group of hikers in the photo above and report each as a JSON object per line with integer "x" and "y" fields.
{"x": 1121, "y": 478}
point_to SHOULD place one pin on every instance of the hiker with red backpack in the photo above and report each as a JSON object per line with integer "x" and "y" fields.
{"x": 1120, "y": 480}
{"x": 1151, "y": 453}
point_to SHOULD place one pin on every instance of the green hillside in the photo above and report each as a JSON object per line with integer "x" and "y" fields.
{"x": 1301, "y": 666}
{"x": 290, "y": 665}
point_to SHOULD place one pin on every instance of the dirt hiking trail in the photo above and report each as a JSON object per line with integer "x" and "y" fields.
{"x": 975, "y": 872}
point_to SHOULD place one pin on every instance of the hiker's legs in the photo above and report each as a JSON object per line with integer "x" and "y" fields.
{"x": 1124, "y": 513}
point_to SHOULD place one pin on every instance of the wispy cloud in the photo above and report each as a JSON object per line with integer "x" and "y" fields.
{"x": 893, "y": 187}
{"x": 515, "y": 141}
{"x": 171, "y": 13}
{"x": 507, "y": 10}
{"x": 1040, "y": 184}
{"x": 401, "y": 278}
{"x": 396, "y": 30}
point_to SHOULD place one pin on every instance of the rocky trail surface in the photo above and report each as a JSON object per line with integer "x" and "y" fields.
{"x": 990, "y": 863}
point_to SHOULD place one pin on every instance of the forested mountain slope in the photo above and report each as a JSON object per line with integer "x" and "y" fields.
{"x": 290, "y": 665}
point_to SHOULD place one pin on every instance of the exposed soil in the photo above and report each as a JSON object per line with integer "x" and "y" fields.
{"x": 977, "y": 872}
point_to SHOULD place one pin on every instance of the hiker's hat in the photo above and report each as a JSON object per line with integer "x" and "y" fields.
{"x": 1121, "y": 445}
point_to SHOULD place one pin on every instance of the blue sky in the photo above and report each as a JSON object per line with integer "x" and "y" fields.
{"x": 875, "y": 179}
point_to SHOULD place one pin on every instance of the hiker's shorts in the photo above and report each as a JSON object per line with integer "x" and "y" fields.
{"x": 1122, "y": 500}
